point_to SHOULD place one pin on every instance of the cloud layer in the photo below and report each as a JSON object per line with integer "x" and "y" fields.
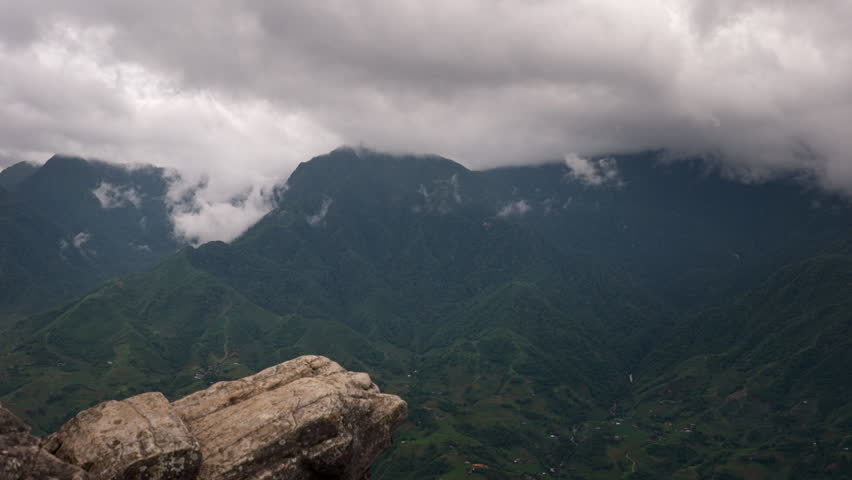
{"x": 236, "y": 93}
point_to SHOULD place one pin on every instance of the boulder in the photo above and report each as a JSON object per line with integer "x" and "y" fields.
{"x": 139, "y": 438}
{"x": 23, "y": 458}
{"x": 307, "y": 418}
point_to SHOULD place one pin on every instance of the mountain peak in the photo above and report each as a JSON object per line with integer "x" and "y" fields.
{"x": 65, "y": 160}
{"x": 363, "y": 173}
{"x": 365, "y": 157}
{"x": 12, "y": 176}
{"x": 345, "y": 160}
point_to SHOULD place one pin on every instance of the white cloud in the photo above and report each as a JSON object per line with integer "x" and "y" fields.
{"x": 425, "y": 193}
{"x": 113, "y": 196}
{"x": 454, "y": 183}
{"x": 81, "y": 239}
{"x": 317, "y": 218}
{"x": 139, "y": 247}
{"x": 203, "y": 218}
{"x": 517, "y": 208}
{"x": 445, "y": 194}
{"x": 547, "y": 204}
{"x": 79, "y": 242}
{"x": 761, "y": 85}
{"x": 124, "y": 112}
{"x": 592, "y": 172}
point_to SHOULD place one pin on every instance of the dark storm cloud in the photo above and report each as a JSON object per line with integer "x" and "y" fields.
{"x": 241, "y": 91}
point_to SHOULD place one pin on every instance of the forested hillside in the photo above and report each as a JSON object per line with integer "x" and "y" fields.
{"x": 666, "y": 322}
{"x": 71, "y": 224}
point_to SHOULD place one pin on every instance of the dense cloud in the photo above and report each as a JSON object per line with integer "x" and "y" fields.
{"x": 238, "y": 93}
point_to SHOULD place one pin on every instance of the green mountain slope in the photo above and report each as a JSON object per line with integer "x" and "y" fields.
{"x": 759, "y": 388}
{"x": 534, "y": 323}
{"x": 12, "y": 176}
{"x": 173, "y": 329}
{"x": 71, "y": 224}
{"x": 683, "y": 231}
{"x": 32, "y": 265}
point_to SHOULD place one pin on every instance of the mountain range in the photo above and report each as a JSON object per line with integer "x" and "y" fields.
{"x": 631, "y": 317}
{"x": 71, "y": 224}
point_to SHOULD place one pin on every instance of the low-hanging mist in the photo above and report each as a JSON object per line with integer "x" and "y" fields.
{"x": 235, "y": 94}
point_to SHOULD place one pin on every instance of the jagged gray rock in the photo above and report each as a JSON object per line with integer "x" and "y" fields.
{"x": 23, "y": 458}
{"x": 307, "y": 418}
{"x": 140, "y": 438}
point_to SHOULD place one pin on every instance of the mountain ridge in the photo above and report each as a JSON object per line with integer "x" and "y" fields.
{"x": 516, "y": 323}
{"x": 97, "y": 220}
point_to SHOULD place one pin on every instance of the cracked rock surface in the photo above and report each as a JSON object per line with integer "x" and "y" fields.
{"x": 22, "y": 456}
{"x": 305, "y": 419}
{"x": 140, "y": 438}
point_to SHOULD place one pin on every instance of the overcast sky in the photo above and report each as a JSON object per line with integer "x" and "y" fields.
{"x": 241, "y": 91}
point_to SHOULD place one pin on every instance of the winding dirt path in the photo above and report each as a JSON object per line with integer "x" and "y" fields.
{"x": 633, "y": 462}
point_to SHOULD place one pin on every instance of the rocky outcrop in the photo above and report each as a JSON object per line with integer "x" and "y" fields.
{"x": 137, "y": 438}
{"x": 23, "y": 458}
{"x": 304, "y": 419}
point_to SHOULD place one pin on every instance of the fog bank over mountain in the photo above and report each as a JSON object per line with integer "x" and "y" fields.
{"x": 235, "y": 94}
